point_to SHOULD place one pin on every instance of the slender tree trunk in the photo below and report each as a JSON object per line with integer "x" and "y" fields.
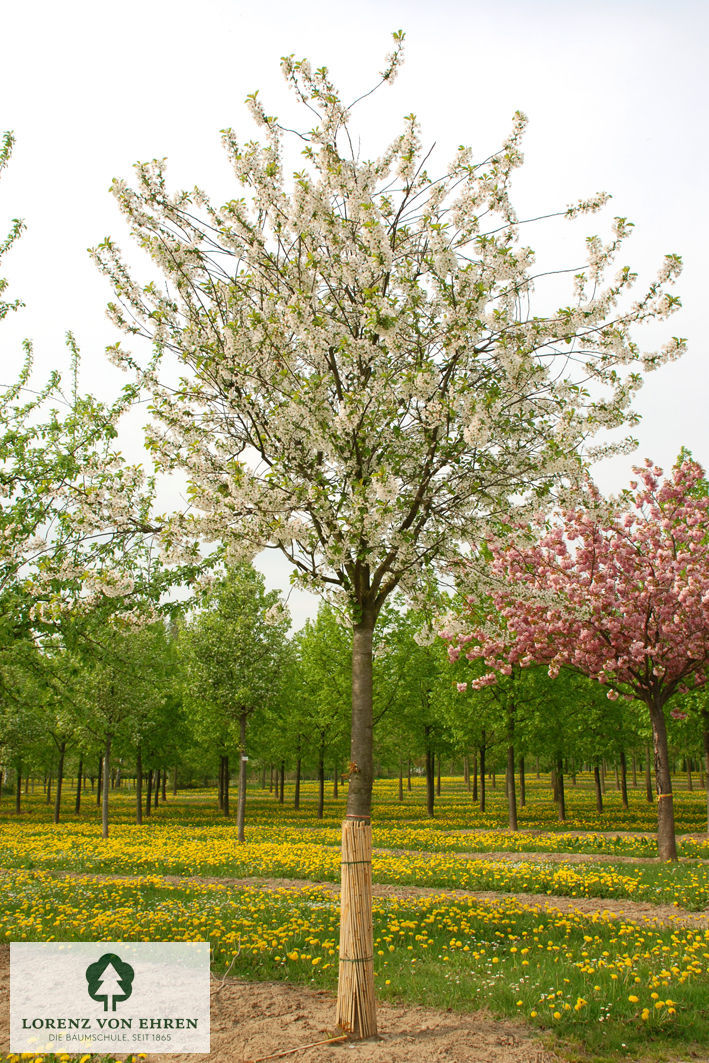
{"x": 105, "y": 786}
{"x": 560, "y": 789}
{"x": 493, "y": 778}
{"x": 174, "y": 781}
{"x": 648, "y": 776}
{"x": 296, "y": 789}
{"x": 690, "y": 784}
{"x": 617, "y": 777}
{"x": 282, "y": 797}
{"x": 164, "y": 785}
{"x": 482, "y": 773}
{"x": 705, "y": 741}
{"x": 522, "y": 784}
{"x": 356, "y": 1011}
{"x": 243, "y": 761}
{"x": 18, "y": 788}
{"x": 49, "y": 787}
{"x": 666, "y": 843}
{"x": 401, "y": 780}
{"x": 139, "y": 786}
{"x": 99, "y": 782}
{"x": 475, "y": 777}
{"x": 573, "y": 771}
{"x": 597, "y": 785}
{"x": 635, "y": 772}
{"x": 624, "y": 779}
{"x": 438, "y": 776}
{"x": 321, "y": 782}
{"x": 77, "y": 803}
{"x": 511, "y": 795}
{"x": 156, "y": 791}
{"x": 408, "y": 777}
{"x": 466, "y": 772}
{"x": 270, "y": 779}
{"x": 60, "y": 779}
{"x": 225, "y": 792}
{"x": 263, "y": 776}
{"x": 335, "y": 775}
{"x": 149, "y": 794}
{"x": 430, "y": 774}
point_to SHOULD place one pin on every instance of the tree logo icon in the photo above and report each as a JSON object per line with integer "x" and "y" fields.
{"x": 110, "y": 980}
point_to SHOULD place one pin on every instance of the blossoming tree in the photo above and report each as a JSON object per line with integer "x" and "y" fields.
{"x": 618, "y": 591}
{"x": 347, "y": 367}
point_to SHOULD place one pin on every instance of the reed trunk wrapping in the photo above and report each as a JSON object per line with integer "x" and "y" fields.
{"x": 356, "y": 1011}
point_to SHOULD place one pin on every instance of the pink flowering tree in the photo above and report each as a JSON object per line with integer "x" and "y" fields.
{"x": 618, "y": 591}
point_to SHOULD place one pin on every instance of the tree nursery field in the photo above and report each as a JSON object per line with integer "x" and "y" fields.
{"x": 575, "y": 930}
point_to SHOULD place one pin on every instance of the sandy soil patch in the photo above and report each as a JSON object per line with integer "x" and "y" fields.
{"x": 254, "y": 1019}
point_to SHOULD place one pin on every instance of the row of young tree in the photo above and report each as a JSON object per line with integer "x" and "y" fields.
{"x": 224, "y": 692}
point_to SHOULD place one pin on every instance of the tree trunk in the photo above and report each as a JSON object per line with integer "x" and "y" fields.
{"x": 321, "y": 781}
{"x": 705, "y": 739}
{"x": 635, "y": 772}
{"x": 282, "y": 796}
{"x": 164, "y": 785}
{"x": 430, "y": 775}
{"x": 648, "y": 777}
{"x": 401, "y": 781}
{"x": 522, "y": 784}
{"x": 511, "y": 795}
{"x": 466, "y": 772}
{"x": 174, "y": 781}
{"x": 334, "y": 782}
{"x": 666, "y": 843}
{"x": 475, "y": 777}
{"x": 438, "y": 776}
{"x": 139, "y": 786}
{"x": 356, "y": 1011}
{"x": 617, "y": 777}
{"x": 149, "y": 794}
{"x": 560, "y": 789}
{"x": 482, "y": 773}
{"x": 60, "y": 779}
{"x": 156, "y": 791}
{"x": 623, "y": 779}
{"x": 105, "y": 786}
{"x": 690, "y": 784}
{"x": 77, "y": 803}
{"x": 243, "y": 760}
{"x": 225, "y": 784}
{"x": 597, "y": 785}
{"x": 270, "y": 779}
{"x": 99, "y": 782}
{"x": 49, "y": 787}
{"x": 408, "y": 778}
{"x": 296, "y": 788}
{"x": 18, "y": 788}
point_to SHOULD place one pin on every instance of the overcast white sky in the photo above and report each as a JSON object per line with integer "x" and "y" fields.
{"x": 615, "y": 90}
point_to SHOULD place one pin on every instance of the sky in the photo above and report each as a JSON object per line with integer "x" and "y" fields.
{"x": 615, "y": 91}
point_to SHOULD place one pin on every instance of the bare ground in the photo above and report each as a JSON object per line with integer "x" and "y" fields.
{"x": 251, "y": 1020}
